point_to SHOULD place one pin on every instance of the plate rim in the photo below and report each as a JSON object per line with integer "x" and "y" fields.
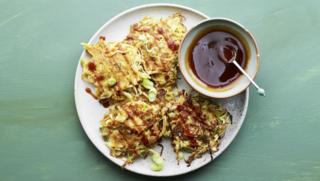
{"x": 115, "y": 17}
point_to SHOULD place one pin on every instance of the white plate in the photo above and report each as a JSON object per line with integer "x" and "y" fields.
{"x": 91, "y": 112}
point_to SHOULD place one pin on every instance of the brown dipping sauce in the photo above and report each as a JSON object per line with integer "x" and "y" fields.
{"x": 206, "y": 62}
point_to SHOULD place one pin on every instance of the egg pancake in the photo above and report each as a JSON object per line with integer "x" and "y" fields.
{"x": 114, "y": 68}
{"x": 131, "y": 128}
{"x": 196, "y": 125}
{"x": 158, "y": 40}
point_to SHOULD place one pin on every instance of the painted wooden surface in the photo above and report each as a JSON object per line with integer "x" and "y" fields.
{"x": 40, "y": 134}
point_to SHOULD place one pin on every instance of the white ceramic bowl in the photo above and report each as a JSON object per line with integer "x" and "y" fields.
{"x": 252, "y": 65}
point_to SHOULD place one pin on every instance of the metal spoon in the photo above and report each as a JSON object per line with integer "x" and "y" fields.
{"x": 260, "y": 90}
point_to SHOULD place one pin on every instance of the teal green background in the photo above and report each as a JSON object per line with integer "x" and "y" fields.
{"x": 40, "y": 134}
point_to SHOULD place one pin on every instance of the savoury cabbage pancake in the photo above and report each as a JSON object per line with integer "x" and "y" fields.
{"x": 196, "y": 126}
{"x": 158, "y": 40}
{"x": 115, "y": 69}
{"x": 131, "y": 128}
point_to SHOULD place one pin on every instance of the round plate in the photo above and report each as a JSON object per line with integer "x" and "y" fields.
{"x": 91, "y": 112}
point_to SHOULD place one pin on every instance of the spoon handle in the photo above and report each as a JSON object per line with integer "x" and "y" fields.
{"x": 260, "y": 90}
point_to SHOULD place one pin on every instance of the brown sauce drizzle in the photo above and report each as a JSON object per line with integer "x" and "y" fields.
{"x": 88, "y": 90}
{"x": 92, "y": 66}
{"x": 105, "y": 102}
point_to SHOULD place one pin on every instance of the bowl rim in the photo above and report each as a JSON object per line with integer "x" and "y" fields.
{"x": 257, "y": 57}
